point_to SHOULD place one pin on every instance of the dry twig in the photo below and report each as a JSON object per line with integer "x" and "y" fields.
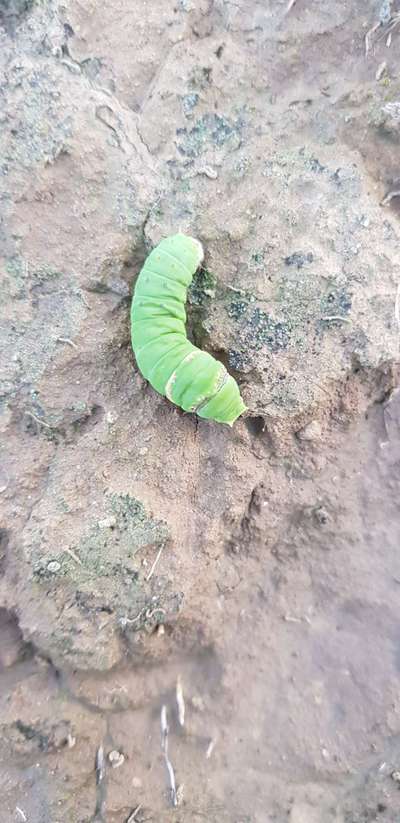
{"x": 67, "y": 340}
{"x": 389, "y": 196}
{"x": 388, "y": 22}
{"x": 397, "y": 306}
{"x": 368, "y": 36}
{"x": 84, "y": 301}
{"x": 180, "y": 701}
{"x": 5, "y": 485}
{"x": 74, "y": 556}
{"x": 381, "y": 70}
{"x": 100, "y": 765}
{"x": 39, "y": 420}
{"x": 151, "y": 572}
{"x": 331, "y": 317}
{"x": 210, "y": 747}
{"x": 132, "y": 816}
{"x": 164, "y": 747}
{"x": 100, "y": 769}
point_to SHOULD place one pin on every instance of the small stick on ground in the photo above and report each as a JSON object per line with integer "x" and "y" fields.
{"x": 290, "y": 5}
{"x": 164, "y": 729}
{"x": 381, "y": 70}
{"x": 331, "y": 317}
{"x": 391, "y": 26}
{"x": 397, "y": 306}
{"x": 67, "y": 340}
{"x": 84, "y": 301}
{"x": 389, "y": 196}
{"x": 74, "y": 556}
{"x": 127, "y": 621}
{"x": 388, "y": 22}
{"x": 151, "y": 572}
{"x": 180, "y": 701}
{"x": 290, "y": 619}
{"x": 39, "y": 420}
{"x": 100, "y": 769}
{"x": 369, "y": 35}
{"x": 132, "y": 816}
{"x": 5, "y": 485}
{"x": 164, "y": 747}
{"x": 100, "y": 765}
{"x": 210, "y": 748}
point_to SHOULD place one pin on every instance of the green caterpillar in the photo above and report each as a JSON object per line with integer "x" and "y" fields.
{"x": 187, "y": 376}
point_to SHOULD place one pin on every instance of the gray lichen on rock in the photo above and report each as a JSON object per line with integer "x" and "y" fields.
{"x": 211, "y": 129}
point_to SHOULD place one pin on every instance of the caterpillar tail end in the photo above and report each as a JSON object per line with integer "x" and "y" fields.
{"x": 226, "y": 406}
{"x": 239, "y": 411}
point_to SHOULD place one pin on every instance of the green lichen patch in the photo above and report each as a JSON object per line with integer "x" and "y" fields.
{"x": 200, "y": 76}
{"x": 14, "y": 282}
{"x": 21, "y": 277}
{"x": 109, "y": 548}
{"x": 262, "y": 329}
{"x": 301, "y": 300}
{"x": 241, "y": 167}
{"x": 29, "y": 738}
{"x": 103, "y": 573}
{"x": 202, "y": 288}
{"x": 299, "y": 259}
{"x": 15, "y": 8}
{"x": 45, "y": 273}
{"x": 200, "y": 294}
{"x": 257, "y": 259}
{"x": 239, "y": 361}
{"x": 189, "y": 103}
{"x": 337, "y": 301}
{"x": 237, "y": 308}
{"x": 112, "y": 542}
{"x": 210, "y": 130}
{"x": 255, "y": 330}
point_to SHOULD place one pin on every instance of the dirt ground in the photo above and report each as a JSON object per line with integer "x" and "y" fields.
{"x": 239, "y": 588}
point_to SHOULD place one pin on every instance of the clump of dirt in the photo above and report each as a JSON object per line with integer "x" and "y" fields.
{"x": 101, "y": 574}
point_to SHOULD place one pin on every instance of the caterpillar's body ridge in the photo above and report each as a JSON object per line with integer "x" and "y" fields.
{"x": 186, "y": 375}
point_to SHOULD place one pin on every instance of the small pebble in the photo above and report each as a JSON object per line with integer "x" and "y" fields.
{"x": 312, "y": 431}
{"x": 54, "y": 566}
{"x": 381, "y": 70}
{"x": 136, "y": 783}
{"x": 198, "y": 703}
{"x": 396, "y": 776}
{"x": 209, "y": 172}
{"x": 107, "y": 523}
{"x": 321, "y": 515}
{"x": 116, "y": 759}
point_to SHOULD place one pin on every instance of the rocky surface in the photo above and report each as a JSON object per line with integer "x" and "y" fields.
{"x": 139, "y": 546}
